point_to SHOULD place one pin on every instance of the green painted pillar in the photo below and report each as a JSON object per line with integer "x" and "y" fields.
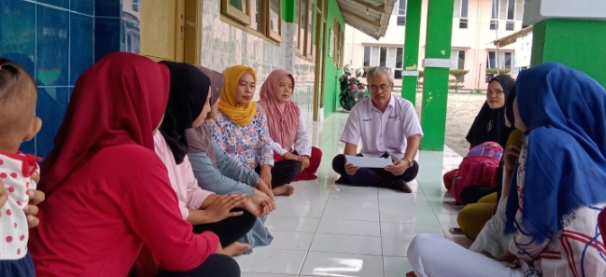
{"x": 437, "y": 65}
{"x": 289, "y": 11}
{"x": 577, "y": 43}
{"x": 411, "y": 50}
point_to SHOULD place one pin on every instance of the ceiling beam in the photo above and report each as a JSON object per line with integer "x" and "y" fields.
{"x": 380, "y": 8}
{"x": 359, "y": 18}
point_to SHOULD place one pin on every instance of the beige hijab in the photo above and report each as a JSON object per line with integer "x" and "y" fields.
{"x": 199, "y": 138}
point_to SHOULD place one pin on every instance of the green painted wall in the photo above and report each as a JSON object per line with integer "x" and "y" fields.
{"x": 332, "y": 73}
{"x": 578, "y": 44}
{"x": 289, "y": 11}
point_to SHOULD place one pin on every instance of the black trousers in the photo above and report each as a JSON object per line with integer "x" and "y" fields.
{"x": 472, "y": 194}
{"x": 216, "y": 265}
{"x": 283, "y": 172}
{"x": 231, "y": 229}
{"x": 365, "y": 176}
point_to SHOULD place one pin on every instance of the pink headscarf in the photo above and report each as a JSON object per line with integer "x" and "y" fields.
{"x": 282, "y": 118}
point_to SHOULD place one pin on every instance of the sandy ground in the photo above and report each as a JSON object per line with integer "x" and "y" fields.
{"x": 462, "y": 110}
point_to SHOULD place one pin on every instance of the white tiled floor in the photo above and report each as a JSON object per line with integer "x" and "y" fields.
{"x": 333, "y": 230}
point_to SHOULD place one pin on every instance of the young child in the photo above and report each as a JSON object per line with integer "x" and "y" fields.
{"x": 18, "y": 123}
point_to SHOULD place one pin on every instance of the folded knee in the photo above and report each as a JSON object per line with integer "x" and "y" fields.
{"x": 338, "y": 163}
{"x": 419, "y": 244}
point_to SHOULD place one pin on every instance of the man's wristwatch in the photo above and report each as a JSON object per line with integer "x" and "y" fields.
{"x": 410, "y": 162}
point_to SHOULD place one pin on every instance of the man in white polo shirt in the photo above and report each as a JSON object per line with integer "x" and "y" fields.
{"x": 388, "y": 127}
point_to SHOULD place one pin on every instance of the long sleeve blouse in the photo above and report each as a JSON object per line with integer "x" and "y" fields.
{"x": 250, "y": 144}
{"x": 228, "y": 177}
{"x": 182, "y": 178}
{"x": 302, "y": 141}
{"x": 97, "y": 221}
{"x": 577, "y": 250}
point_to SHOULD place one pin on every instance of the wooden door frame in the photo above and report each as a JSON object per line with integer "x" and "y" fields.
{"x": 187, "y": 36}
{"x": 193, "y": 34}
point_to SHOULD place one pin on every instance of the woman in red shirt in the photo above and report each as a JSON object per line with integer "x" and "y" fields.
{"x": 108, "y": 193}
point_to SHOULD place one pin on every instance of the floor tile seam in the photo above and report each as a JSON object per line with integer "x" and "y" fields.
{"x": 392, "y": 256}
{"x": 347, "y": 253}
{"x": 399, "y": 222}
{"x": 381, "y": 232}
{"x": 427, "y": 199}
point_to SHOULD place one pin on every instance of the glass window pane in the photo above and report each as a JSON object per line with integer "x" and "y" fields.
{"x": 491, "y": 60}
{"x": 461, "y": 59}
{"x": 511, "y": 9}
{"x": 463, "y": 23}
{"x": 402, "y": 8}
{"x": 310, "y": 27}
{"x": 397, "y": 74}
{"x": 508, "y": 60}
{"x": 401, "y": 21}
{"x": 302, "y": 24}
{"x": 366, "y": 56}
{"x": 495, "y": 9}
{"x": 256, "y": 21}
{"x": 465, "y": 8}
{"x": 238, "y": 4}
{"x": 383, "y": 57}
{"x": 399, "y": 57}
{"x": 510, "y": 26}
{"x": 274, "y": 16}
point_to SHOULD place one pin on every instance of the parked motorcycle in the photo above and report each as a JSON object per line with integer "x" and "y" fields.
{"x": 352, "y": 90}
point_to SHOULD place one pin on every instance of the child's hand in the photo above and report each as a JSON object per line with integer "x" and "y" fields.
{"x": 3, "y": 195}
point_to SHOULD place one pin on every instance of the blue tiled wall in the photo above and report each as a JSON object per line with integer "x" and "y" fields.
{"x": 57, "y": 40}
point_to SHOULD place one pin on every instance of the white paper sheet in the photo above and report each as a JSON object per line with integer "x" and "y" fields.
{"x": 368, "y": 162}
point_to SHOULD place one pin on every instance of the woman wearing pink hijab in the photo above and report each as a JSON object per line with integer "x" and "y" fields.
{"x": 287, "y": 125}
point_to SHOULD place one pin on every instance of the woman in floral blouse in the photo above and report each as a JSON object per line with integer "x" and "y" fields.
{"x": 240, "y": 127}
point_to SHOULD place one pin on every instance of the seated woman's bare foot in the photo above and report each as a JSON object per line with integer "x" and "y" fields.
{"x": 286, "y": 190}
{"x": 235, "y": 249}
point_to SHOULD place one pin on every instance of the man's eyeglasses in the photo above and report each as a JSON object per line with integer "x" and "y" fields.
{"x": 383, "y": 87}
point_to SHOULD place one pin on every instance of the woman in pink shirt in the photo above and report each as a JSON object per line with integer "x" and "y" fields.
{"x": 188, "y": 106}
{"x": 108, "y": 193}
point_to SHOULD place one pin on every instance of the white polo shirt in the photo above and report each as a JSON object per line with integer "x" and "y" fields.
{"x": 382, "y": 132}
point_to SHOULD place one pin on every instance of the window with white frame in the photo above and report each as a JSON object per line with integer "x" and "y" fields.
{"x": 511, "y": 6}
{"x": 457, "y": 59}
{"x": 463, "y": 20}
{"x": 502, "y": 60}
{"x": 401, "y": 7}
{"x": 391, "y": 57}
{"x": 397, "y": 70}
{"x": 461, "y": 11}
{"x": 510, "y": 11}
{"x": 494, "y": 18}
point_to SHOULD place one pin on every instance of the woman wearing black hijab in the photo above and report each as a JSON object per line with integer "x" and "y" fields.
{"x": 489, "y": 124}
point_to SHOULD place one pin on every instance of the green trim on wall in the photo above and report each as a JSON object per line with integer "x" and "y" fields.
{"x": 289, "y": 11}
{"x": 435, "y": 88}
{"x": 577, "y": 43}
{"x": 412, "y": 35}
{"x": 332, "y": 73}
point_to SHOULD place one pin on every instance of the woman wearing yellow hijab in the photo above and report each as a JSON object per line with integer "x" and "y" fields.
{"x": 240, "y": 127}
